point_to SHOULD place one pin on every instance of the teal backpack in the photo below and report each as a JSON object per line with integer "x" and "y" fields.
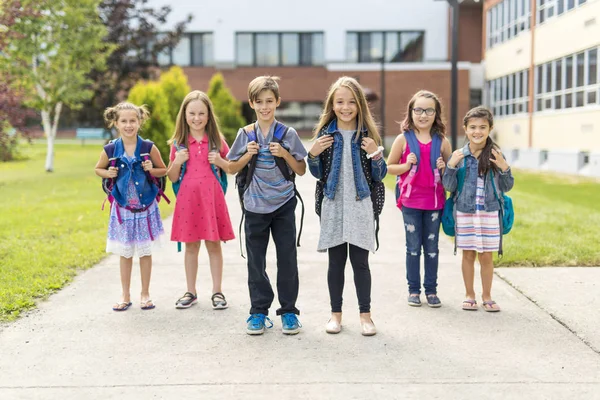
{"x": 507, "y": 213}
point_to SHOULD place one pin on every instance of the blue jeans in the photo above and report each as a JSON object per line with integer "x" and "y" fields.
{"x": 422, "y": 229}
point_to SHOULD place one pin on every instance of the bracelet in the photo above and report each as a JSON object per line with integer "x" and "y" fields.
{"x": 379, "y": 151}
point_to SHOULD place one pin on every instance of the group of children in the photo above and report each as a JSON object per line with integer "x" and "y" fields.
{"x": 347, "y": 159}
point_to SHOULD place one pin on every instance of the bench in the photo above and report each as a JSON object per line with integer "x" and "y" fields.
{"x": 92, "y": 133}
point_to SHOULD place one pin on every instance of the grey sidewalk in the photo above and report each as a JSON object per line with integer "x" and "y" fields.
{"x": 74, "y": 346}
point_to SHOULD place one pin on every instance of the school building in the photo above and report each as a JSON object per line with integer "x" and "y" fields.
{"x": 543, "y": 83}
{"x": 394, "y": 48}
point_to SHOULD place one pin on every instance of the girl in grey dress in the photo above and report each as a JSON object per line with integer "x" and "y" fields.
{"x": 347, "y": 159}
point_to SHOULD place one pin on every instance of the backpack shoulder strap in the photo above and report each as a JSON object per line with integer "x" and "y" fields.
{"x": 146, "y": 146}
{"x": 436, "y": 150}
{"x": 250, "y": 132}
{"x": 413, "y": 144}
{"x": 109, "y": 149}
{"x": 280, "y": 131}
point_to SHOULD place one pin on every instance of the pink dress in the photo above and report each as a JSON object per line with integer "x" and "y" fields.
{"x": 201, "y": 210}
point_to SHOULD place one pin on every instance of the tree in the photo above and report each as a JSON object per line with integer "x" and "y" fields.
{"x": 134, "y": 26}
{"x": 175, "y": 86}
{"x": 227, "y": 108}
{"x": 51, "y": 54}
{"x": 13, "y": 116}
{"x": 163, "y": 98}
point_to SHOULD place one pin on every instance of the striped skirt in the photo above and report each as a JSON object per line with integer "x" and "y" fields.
{"x": 479, "y": 232}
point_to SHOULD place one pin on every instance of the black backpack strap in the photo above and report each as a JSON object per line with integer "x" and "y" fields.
{"x": 301, "y": 215}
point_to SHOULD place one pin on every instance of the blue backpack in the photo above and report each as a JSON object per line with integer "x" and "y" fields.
{"x": 244, "y": 177}
{"x": 405, "y": 186}
{"x": 113, "y": 160}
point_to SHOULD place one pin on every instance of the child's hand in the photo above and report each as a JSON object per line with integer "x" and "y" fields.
{"x": 113, "y": 172}
{"x": 457, "y": 155}
{"x": 321, "y": 144}
{"x": 440, "y": 164}
{"x": 499, "y": 160}
{"x": 181, "y": 156}
{"x": 368, "y": 145}
{"x": 147, "y": 165}
{"x": 276, "y": 149}
{"x": 252, "y": 148}
{"x": 214, "y": 157}
{"x": 412, "y": 158}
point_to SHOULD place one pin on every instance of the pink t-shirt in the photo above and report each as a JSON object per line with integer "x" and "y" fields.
{"x": 423, "y": 192}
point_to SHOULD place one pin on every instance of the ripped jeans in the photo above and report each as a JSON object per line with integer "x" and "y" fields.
{"x": 422, "y": 229}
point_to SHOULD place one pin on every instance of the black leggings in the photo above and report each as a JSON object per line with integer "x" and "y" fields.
{"x": 359, "y": 258}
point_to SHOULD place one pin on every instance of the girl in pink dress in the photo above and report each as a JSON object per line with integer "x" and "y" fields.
{"x": 201, "y": 210}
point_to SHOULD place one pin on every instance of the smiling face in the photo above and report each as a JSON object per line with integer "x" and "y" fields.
{"x": 265, "y": 105}
{"x": 477, "y": 130}
{"x": 421, "y": 110}
{"x": 128, "y": 123}
{"x": 196, "y": 116}
{"x": 345, "y": 108}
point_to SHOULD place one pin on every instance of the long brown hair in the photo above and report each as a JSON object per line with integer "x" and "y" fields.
{"x": 364, "y": 116}
{"x": 484, "y": 158}
{"x": 438, "y": 127}
{"x": 182, "y": 129}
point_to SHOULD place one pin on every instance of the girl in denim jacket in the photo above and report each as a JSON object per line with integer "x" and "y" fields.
{"x": 478, "y": 231}
{"x": 135, "y": 226}
{"x": 423, "y": 199}
{"x": 346, "y": 142}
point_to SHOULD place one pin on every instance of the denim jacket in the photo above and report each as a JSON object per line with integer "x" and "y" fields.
{"x": 316, "y": 164}
{"x": 466, "y": 200}
{"x": 146, "y": 190}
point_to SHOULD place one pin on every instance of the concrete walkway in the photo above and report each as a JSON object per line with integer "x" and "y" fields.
{"x": 543, "y": 345}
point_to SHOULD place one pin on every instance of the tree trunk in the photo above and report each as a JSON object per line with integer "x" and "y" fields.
{"x": 50, "y": 131}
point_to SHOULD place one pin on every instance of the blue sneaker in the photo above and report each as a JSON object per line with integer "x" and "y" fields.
{"x": 256, "y": 324}
{"x": 290, "y": 324}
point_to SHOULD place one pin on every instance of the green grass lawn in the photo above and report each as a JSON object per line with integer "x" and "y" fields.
{"x": 557, "y": 221}
{"x": 51, "y": 224}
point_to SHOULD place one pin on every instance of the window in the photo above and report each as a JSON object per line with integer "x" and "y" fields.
{"x": 279, "y": 49}
{"x": 547, "y": 9}
{"x": 369, "y": 47}
{"x": 300, "y": 115}
{"x": 507, "y": 95}
{"x": 193, "y": 49}
{"x": 568, "y": 82}
{"x": 506, "y": 20}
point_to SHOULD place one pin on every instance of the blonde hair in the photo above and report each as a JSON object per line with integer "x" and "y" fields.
{"x": 182, "y": 129}
{"x": 365, "y": 118}
{"x": 111, "y": 114}
{"x": 262, "y": 83}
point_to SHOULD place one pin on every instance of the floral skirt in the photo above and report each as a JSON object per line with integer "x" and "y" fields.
{"x": 137, "y": 234}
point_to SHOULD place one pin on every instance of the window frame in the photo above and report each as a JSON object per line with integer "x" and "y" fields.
{"x": 384, "y": 49}
{"x": 316, "y": 59}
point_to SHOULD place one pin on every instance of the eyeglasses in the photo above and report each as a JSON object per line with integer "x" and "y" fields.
{"x": 428, "y": 111}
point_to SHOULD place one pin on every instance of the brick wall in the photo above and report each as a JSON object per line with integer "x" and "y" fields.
{"x": 312, "y": 84}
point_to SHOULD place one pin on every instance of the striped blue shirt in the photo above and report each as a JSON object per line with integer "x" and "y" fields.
{"x": 268, "y": 190}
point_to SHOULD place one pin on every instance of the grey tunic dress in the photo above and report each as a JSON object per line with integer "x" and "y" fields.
{"x": 345, "y": 219}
